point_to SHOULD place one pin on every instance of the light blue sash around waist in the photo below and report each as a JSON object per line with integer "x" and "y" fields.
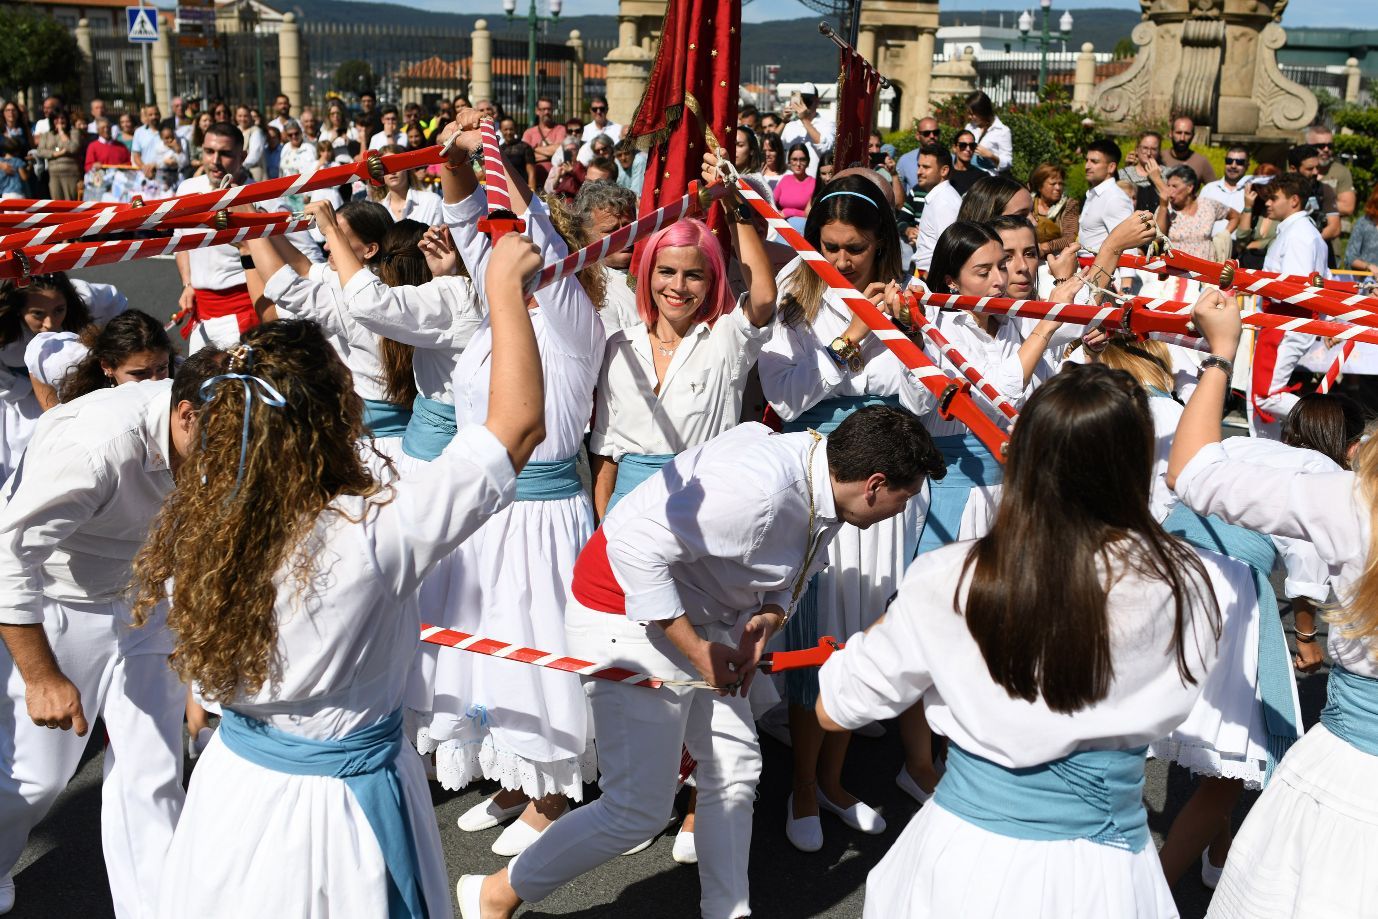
{"x": 969, "y": 464}
{"x": 366, "y": 761}
{"x": 828, "y": 414}
{"x": 551, "y": 480}
{"x": 1095, "y": 795}
{"x": 1274, "y": 661}
{"x": 386, "y": 419}
{"x": 430, "y": 429}
{"x": 632, "y": 470}
{"x": 1351, "y": 709}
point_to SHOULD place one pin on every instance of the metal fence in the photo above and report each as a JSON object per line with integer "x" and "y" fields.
{"x": 117, "y": 68}
{"x": 1317, "y": 78}
{"x": 1014, "y": 78}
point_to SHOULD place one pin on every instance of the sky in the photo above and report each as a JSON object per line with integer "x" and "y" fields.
{"x": 1349, "y": 14}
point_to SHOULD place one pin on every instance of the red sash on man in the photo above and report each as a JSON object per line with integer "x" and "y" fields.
{"x": 595, "y": 586}
{"x": 213, "y": 304}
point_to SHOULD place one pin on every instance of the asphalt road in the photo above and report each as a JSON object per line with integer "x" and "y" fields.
{"x": 61, "y": 873}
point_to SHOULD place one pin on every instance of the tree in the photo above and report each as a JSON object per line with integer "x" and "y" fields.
{"x": 355, "y": 77}
{"x": 35, "y": 50}
{"x": 1125, "y": 48}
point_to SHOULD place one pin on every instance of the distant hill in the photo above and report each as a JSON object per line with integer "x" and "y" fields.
{"x": 780, "y": 42}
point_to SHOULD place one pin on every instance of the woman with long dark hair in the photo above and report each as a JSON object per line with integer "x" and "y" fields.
{"x": 820, "y": 365}
{"x": 994, "y": 196}
{"x": 1050, "y": 652}
{"x": 298, "y": 616}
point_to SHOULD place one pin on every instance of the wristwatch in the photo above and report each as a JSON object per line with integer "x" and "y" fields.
{"x": 1215, "y": 361}
{"x": 846, "y": 354}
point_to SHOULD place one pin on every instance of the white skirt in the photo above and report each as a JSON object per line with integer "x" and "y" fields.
{"x": 525, "y": 727}
{"x": 1309, "y": 847}
{"x": 254, "y": 842}
{"x": 942, "y": 867}
{"x": 1225, "y": 736}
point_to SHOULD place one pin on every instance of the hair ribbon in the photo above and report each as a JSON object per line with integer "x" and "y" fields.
{"x": 254, "y": 387}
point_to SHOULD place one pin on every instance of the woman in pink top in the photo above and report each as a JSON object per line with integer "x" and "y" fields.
{"x": 794, "y": 191}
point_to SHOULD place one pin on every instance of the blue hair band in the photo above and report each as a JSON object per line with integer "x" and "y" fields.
{"x": 854, "y": 194}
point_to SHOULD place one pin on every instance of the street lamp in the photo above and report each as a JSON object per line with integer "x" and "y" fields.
{"x": 1045, "y": 38}
{"x": 533, "y": 25}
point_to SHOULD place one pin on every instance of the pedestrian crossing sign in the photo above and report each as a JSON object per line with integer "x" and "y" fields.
{"x": 143, "y": 23}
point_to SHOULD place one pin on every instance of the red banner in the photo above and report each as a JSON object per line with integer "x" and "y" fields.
{"x": 857, "y": 86}
{"x": 692, "y": 90}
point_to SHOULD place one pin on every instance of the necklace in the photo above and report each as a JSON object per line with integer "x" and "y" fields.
{"x": 664, "y": 347}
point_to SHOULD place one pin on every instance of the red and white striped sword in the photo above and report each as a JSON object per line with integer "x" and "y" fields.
{"x": 1332, "y": 373}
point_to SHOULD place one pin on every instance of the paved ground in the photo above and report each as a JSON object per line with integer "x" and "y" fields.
{"x": 61, "y": 873}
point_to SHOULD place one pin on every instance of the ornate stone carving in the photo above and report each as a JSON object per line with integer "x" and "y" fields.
{"x": 1215, "y": 60}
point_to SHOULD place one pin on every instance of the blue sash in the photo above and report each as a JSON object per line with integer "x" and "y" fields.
{"x": 386, "y": 419}
{"x": 365, "y": 760}
{"x": 1274, "y": 662}
{"x": 551, "y": 480}
{"x": 1095, "y": 795}
{"x": 1351, "y": 709}
{"x": 828, "y": 414}
{"x": 969, "y": 464}
{"x": 430, "y": 428}
{"x": 632, "y": 470}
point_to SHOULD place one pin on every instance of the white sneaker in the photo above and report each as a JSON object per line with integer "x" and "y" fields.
{"x": 468, "y": 889}
{"x": 197, "y": 743}
{"x": 905, "y": 781}
{"x": 684, "y": 851}
{"x": 1210, "y": 875}
{"x": 804, "y": 833}
{"x": 6, "y": 894}
{"x": 515, "y": 839}
{"x": 487, "y": 814}
{"x": 860, "y": 816}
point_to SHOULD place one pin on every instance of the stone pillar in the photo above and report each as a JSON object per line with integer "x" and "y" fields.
{"x": 629, "y": 69}
{"x": 162, "y": 65}
{"x": 88, "y": 59}
{"x": 866, "y": 43}
{"x": 626, "y": 32}
{"x": 1352, "y": 80}
{"x": 576, "y": 76}
{"x": 953, "y": 78}
{"x": 481, "y": 67}
{"x": 1086, "y": 77}
{"x": 897, "y": 36}
{"x": 289, "y": 60}
{"x": 921, "y": 104}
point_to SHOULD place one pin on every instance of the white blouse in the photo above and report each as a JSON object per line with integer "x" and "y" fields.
{"x": 700, "y": 398}
{"x": 797, "y": 371}
{"x": 995, "y": 357}
{"x": 1327, "y": 509}
{"x": 619, "y": 309}
{"x": 569, "y": 336}
{"x": 922, "y": 649}
{"x": 421, "y": 205}
{"x": 438, "y": 318}
{"x": 348, "y": 644}
{"x": 318, "y": 297}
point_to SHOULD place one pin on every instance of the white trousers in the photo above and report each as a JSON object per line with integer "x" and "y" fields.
{"x": 640, "y": 735}
{"x": 142, "y": 704}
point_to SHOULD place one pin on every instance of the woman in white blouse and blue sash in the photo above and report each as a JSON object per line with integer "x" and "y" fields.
{"x": 1050, "y": 653}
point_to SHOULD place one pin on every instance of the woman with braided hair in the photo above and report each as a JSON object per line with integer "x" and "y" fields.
{"x": 307, "y": 636}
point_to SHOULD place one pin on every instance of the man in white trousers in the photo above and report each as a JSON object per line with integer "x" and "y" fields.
{"x": 72, "y": 517}
{"x": 686, "y": 580}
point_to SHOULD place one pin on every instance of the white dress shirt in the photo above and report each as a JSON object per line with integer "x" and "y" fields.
{"x": 1297, "y": 248}
{"x": 1327, "y": 509}
{"x": 1107, "y": 206}
{"x": 1232, "y": 198}
{"x": 940, "y": 211}
{"x": 211, "y": 267}
{"x": 998, "y": 139}
{"x": 591, "y": 130}
{"x": 318, "y": 297}
{"x": 421, "y": 205}
{"x": 724, "y": 528}
{"x": 795, "y": 133}
{"x": 798, "y": 371}
{"x": 924, "y": 650}
{"x": 382, "y": 139}
{"x": 78, "y": 508}
{"x": 700, "y": 397}
{"x": 255, "y": 144}
{"x": 438, "y": 319}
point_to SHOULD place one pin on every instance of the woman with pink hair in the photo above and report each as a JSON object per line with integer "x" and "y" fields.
{"x": 675, "y": 380}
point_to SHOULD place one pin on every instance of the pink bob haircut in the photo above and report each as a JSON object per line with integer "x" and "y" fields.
{"x": 688, "y": 232}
